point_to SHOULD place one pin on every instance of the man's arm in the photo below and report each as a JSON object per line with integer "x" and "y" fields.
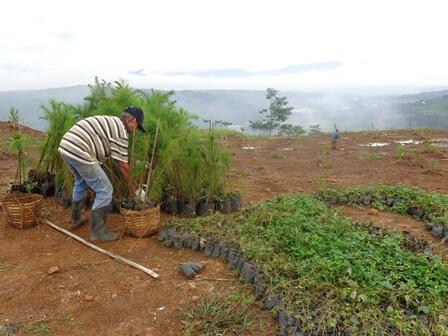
{"x": 123, "y": 167}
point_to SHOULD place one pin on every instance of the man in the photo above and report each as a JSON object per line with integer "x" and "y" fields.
{"x": 84, "y": 147}
{"x": 335, "y": 138}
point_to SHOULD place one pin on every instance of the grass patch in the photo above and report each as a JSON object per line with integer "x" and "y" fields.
{"x": 432, "y": 165}
{"x": 277, "y": 155}
{"x": 332, "y": 275}
{"x": 220, "y": 316}
{"x": 11, "y": 329}
{"x": 371, "y": 156}
{"x": 428, "y": 147}
{"x": 38, "y": 328}
{"x": 68, "y": 319}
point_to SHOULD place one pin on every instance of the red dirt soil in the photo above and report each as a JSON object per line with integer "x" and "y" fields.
{"x": 94, "y": 295}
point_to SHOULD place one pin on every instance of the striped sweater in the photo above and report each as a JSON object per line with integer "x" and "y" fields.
{"x": 94, "y": 139}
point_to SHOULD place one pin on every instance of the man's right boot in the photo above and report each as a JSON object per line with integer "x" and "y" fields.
{"x": 77, "y": 219}
{"x": 99, "y": 229}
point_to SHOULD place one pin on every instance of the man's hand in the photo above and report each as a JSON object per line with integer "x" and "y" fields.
{"x": 123, "y": 167}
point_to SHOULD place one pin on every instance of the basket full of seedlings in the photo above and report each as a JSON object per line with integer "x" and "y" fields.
{"x": 21, "y": 208}
{"x": 141, "y": 217}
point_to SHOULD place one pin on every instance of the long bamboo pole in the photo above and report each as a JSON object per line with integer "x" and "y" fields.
{"x": 131, "y": 165}
{"x": 103, "y": 251}
{"x": 152, "y": 158}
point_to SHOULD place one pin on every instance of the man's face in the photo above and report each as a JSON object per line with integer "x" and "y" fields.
{"x": 132, "y": 125}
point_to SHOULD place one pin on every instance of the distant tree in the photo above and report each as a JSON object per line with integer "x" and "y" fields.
{"x": 14, "y": 116}
{"x": 221, "y": 123}
{"x": 277, "y": 113}
{"x": 290, "y": 130}
{"x": 315, "y": 129}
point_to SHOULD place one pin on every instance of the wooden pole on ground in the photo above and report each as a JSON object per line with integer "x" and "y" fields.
{"x": 99, "y": 249}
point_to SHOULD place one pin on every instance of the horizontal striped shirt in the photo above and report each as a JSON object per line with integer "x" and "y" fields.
{"x": 94, "y": 139}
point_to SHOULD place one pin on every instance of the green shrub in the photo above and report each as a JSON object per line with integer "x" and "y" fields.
{"x": 400, "y": 152}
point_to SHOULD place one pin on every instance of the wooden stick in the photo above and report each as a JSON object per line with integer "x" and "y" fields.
{"x": 145, "y": 158}
{"x": 99, "y": 249}
{"x": 152, "y": 159}
{"x": 131, "y": 165}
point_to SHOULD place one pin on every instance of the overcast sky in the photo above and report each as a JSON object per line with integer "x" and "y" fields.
{"x": 170, "y": 44}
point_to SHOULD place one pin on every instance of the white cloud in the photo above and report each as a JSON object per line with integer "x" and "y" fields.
{"x": 378, "y": 42}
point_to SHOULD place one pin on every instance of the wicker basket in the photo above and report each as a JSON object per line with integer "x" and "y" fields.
{"x": 142, "y": 223}
{"x": 22, "y": 210}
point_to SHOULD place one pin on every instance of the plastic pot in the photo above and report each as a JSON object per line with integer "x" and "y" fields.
{"x": 186, "y": 208}
{"x": 224, "y": 206}
{"x": 204, "y": 208}
{"x": 170, "y": 207}
{"x": 18, "y": 188}
{"x": 235, "y": 202}
{"x": 47, "y": 189}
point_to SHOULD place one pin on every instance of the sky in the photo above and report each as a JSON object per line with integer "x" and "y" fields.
{"x": 208, "y": 44}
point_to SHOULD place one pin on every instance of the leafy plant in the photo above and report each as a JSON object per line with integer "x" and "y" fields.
{"x": 400, "y": 152}
{"x": 14, "y": 117}
{"x": 277, "y": 112}
{"x": 17, "y": 143}
{"x": 30, "y": 186}
{"x": 60, "y": 118}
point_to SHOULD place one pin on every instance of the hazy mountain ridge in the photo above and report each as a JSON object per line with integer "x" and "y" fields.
{"x": 348, "y": 112}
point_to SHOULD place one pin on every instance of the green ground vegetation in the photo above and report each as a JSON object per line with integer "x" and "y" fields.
{"x": 335, "y": 276}
{"x": 434, "y": 206}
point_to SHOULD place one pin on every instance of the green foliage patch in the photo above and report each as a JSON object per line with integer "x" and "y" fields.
{"x": 433, "y": 206}
{"x": 187, "y": 163}
{"x": 332, "y": 275}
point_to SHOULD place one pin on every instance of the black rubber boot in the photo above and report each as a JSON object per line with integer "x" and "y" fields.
{"x": 77, "y": 219}
{"x": 99, "y": 229}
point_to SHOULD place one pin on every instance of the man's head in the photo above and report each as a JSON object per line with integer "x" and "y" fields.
{"x": 133, "y": 118}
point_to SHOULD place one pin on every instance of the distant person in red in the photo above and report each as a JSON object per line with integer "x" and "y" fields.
{"x": 335, "y": 137}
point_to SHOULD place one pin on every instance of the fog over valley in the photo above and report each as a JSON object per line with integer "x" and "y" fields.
{"x": 348, "y": 111}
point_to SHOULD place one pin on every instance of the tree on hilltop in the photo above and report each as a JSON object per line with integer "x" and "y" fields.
{"x": 277, "y": 113}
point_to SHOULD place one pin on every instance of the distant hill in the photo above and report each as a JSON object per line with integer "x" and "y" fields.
{"x": 29, "y": 101}
{"x": 428, "y": 110}
{"x": 348, "y": 112}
